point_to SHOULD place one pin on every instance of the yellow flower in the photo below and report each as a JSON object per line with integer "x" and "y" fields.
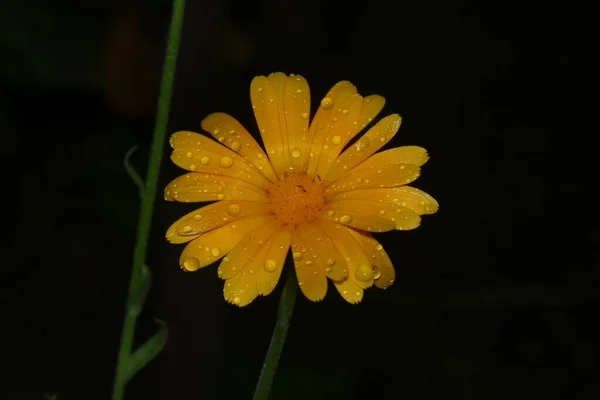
{"x": 307, "y": 192}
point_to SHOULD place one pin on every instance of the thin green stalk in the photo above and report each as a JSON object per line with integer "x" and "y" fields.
{"x": 138, "y": 279}
{"x": 284, "y": 314}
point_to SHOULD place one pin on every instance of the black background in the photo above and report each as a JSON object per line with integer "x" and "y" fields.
{"x": 493, "y": 298}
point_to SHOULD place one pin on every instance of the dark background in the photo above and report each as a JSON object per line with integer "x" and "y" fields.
{"x": 493, "y": 298}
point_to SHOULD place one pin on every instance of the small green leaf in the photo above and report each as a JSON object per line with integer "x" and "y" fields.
{"x": 146, "y": 352}
{"x": 135, "y": 177}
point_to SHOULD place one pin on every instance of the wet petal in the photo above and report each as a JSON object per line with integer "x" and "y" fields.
{"x": 197, "y": 153}
{"x": 329, "y": 109}
{"x": 210, "y": 217}
{"x": 322, "y": 251}
{"x": 354, "y": 213}
{"x": 372, "y": 175}
{"x": 311, "y": 276}
{"x": 383, "y": 268}
{"x": 349, "y": 290}
{"x": 247, "y": 248}
{"x": 360, "y": 213}
{"x": 405, "y": 196}
{"x": 367, "y": 145}
{"x": 281, "y": 106}
{"x": 273, "y": 260}
{"x": 354, "y": 116}
{"x": 232, "y": 134}
{"x": 360, "y": 270}
{"x": 213, "y": 245}
{"x": 296, "y": 105}
{"x": 194, "y": 187}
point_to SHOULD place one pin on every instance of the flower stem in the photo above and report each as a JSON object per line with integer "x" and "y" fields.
{"x": 284, "y": 314}
{"x": 136, "y": 284}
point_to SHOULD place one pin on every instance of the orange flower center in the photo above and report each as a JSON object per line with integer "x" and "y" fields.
{"x": 296, "y": 199}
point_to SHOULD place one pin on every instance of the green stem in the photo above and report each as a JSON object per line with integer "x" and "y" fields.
{"x": 284, "y": 314}
{"x": 148, "y": 197}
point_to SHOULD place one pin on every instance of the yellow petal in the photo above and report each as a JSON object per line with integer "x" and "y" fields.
{"x": 405, "y": 196}
{"x": 370, "y": 215}
{"x": 210, "y": 217}
{"x": 198, "y": 153}
{"x": 213, "y": 245}
{"x": 242, "y": 288}
{"x": 193, "y": 187}
{"x": 321, "y": 250}
{"x": 329, "y": 109}
{"x": 358, "y": 214}
{"x": 360, "y": 270}
{"x": 296, "y": 106}
{"x": 367, "y": 145}
{"x": 354, "y": 116}
{"x": 383, "y": 268}
{"x": 247, "y": 248}
{"x": 349, "y": 290}
{"x": 371, "y": 174}
{"x": 311, "y": 276}
{"x": 232, "y": 134}
{"x": 273, "y": 260}
{"x": 281, "y": 106}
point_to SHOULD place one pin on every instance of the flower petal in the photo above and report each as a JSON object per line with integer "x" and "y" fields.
{"x": 369, "y": 215}
{"x": 383, "y": 268}
{"x": 281, "y": 106}
{"x": 349, "y": 290}
{"x": 311, "y": 275}
{"x": 232, "y": 134}
{"x": 358, "y": 214}
{"x": 322, "y": 251}
{"x": 274, "y": 260}
{"x": 360, "y": 270}
{"x": 241, "y": 289}
{"x": 210, "y": 217}
{"x": 247, "y": 248}
{"x": 405, "y": 196}
{"x": 329, "y": 109}
{"x": 354, "y": 116}
{"x": 371, "y": 174}
{"x": 296, "y": 106}
{"x": 198, "y": 153}
{"x": 367, "y": 145}
{"x": 194, "y": 187}
{"x": 213, "y": 245}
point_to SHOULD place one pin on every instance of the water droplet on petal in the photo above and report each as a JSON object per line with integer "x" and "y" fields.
{"x": 236, "y": 300}
{"x": 226, "y": 162}
{"x": 297, "y": 256}
{"x": 233, "y": 210}
{"x": 191, "y": 264}
{"x": 296, "y": 153}
{"x": 189, "y": 154}
{"x": 363, "y": 273}
{"x": 216, "y": 252}
{"x": 362, "y": 144}
{"x": 327, "y": 103}
{"x": 197, "y": 217}
{"x": 220, "y": 196}
{"x": 336, "y": 140}
{"x": 235, "y": 146}
{"x": 376, "y": 272}
{"x": 345, "y": 219}
{"x": 205, "y": 160}
{"x": 304, "y": 116}
{"x": 270, "y": 265}
{"x": 379, "y": 247}
{"x": 186, "y": 229}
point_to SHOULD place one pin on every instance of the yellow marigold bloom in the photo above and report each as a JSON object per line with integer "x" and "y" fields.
{"x": 307, "y": 192}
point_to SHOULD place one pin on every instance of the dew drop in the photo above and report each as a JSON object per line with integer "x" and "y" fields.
{"x": 304, "y": 116}
{"x": 260, "y": 90}
{"x": 331, "y": 262}
{"x": 270, "y": 265}
{"x": 327, "y": 103}
{"x": 363, "y": 273}
{"x": 331, "y": 213}
{"x": 345, "y": 219}
{"x": 186, "y": 229}
{"x": 376, "y": 272}
{"x": 233, "y": 210}
{"x": 226, "y": 162}
{"x": 379, "y": 247}
{"x": 236, "y": 300}
{"x": 297, "y": 256}
{"x": 220, "y": 196}
{"x": 309, "y": 263}
{"x": 193, "y": 167}
{"x": 328, "y": 269}
{"x": 296, "y": 153}
{"x": 205, "y": 160}
{"x": 189, "y": 154}
{"x": 191, "y": 264}
{"x": 336, "y": 140}
{"x": 197, "y": 217}
{"x": 236, "y": 146}
{"x": 362, "y": 144}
